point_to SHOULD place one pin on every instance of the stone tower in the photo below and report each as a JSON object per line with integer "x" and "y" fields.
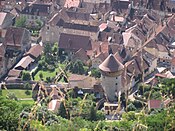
{"x": 111, "y": 70}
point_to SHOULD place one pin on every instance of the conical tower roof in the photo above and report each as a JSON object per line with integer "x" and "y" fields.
{"x": 111, "y": 64}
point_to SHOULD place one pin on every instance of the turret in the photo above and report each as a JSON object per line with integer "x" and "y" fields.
{"x": 111, "y": 70}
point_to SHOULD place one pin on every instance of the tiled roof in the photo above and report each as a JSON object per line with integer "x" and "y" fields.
{"x": 81, "y": 54}
{"x": 35, "y": 50}
{"x": 14, "y": 73}
{"x": 12, "y": 38}
{"x": 75, "y": 77}
{"x": 154, "y": 104}
{"x": 111, "y": 64}
{"x": 74, "y": 42}
{"x": 37, "y": 9}
{"x": 173, "y": 61}
{"x": 24, "y": 62}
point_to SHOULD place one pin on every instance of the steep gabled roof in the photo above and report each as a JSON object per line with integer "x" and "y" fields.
{"x": 74, "y": 42}
{"x": 111, "y": 64}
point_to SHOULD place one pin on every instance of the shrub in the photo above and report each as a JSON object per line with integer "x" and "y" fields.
{"x": 27, "y": 92}
{"x": 51, "y": 68}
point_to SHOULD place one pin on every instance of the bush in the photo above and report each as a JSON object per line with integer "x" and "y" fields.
{"x": 26, "y": 76}
{"x": 95, "y": 73}
{"x": 137, "y": 104}
{"x": 51, "y": 68}
{"x": 131, "y": 107}
{"x": 27, "y": 92}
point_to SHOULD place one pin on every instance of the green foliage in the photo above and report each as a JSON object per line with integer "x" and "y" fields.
{"x": 41, "y": 75}
{"x": 9, "y": 114}
{"x": 131, "y": 107}
{"x": 26, "y": 76}
{"x": 167, "y": 87}
{"x": 62, "y": 111}
{"x": 27, "y": 86}
{"x": 95, "y": 73}
{"x": 27, "y": 92}
{"x": 20, "y": 22}
{"x": 76, "y": 67}
{"x": 12, "y": 96}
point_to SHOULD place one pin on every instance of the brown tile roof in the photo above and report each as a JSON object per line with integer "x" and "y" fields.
{"x": 154, "y": 104}
{"x": 102, "y": 56}
{"x": 162, "y": 48}
{"x": 12, "y": 38}
{"x": 24, "y": 63}
{"x": 74, "y": 42}
{"x": 111, "y": 64}
{"x": 75, "y": 77}
{"x": 173, "y": 61}
{"x": 81, "y": 55}
{"x": 37, "y": 9}
{"x": 35, "y": 51}
{"x": 14, "y": 73}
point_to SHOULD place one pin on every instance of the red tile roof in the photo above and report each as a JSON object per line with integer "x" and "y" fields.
{"x": 12, "y": 38}
{"x": 14, "y": 73}
{"x": 35, "y": 51}
{"x": 154, "y": 104}
{"x": 75, "y": 77}
{"x": 74, "y": 42}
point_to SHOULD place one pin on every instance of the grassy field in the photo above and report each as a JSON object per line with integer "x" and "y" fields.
{"x": 48, "y": 73}
{"x": 28, "y": 102}
{"x": 19, "y": 93}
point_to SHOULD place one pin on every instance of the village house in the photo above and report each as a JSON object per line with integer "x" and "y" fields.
{"x": 69, "y": 44}
{"x": 69, "y": 21}
{"x": 6, "y": 21}
{"x": 2, "y": 60}
{"x": 36, "y": 11}
{"x": 16, "y": 45}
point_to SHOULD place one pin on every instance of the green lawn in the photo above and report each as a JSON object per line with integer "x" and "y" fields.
{"x": 19, "y": 93}
{"x": 29, "y": 102}
{"x": 48, "y": 73}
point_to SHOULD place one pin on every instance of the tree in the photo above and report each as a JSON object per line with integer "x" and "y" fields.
{"x": 93, "y": 113}
{"x": 26, "y": 76}
{"x": 77, "y": 67}
{"x": 27, "y": 86}
{"x": 9, "y": 114}
{"x": 62, "y": 111}
{"x": 41, "y": 76}
{"x": 20, "y": 22}
{"x": 95, "y": 73}
{"x": 131, "y": 107}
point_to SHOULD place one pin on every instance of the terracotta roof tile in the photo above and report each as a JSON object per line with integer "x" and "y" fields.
{"x": 35, "y": 51}
{"x": 74, "y": 42}
{"x": 154, "y": 104}
{"x": 111, "y": 64}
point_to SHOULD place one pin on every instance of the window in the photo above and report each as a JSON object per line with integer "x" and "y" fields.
{"x": 116, "y": 84}
{"x": 116, "y": 78}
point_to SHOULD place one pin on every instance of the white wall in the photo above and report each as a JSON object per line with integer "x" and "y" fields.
{"x": 110, "y": 87}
